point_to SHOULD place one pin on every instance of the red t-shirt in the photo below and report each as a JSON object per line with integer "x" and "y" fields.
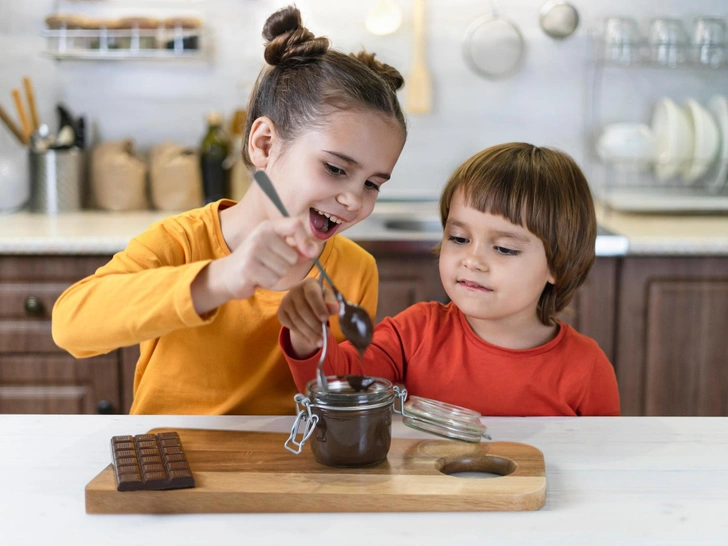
{"x": 431, "y": 349}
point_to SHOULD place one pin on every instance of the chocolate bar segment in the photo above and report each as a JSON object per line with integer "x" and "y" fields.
{"x": 150, "y": 462}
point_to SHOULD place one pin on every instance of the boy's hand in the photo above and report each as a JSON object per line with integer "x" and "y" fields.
{"x": 265, "y": 256}
{"x": 303, "y": 310}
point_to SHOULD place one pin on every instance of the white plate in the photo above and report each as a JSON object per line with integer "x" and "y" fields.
{"x": 675, "y": 140}
{"x": 718, "y": 105}
{"x": 706, "y": 141}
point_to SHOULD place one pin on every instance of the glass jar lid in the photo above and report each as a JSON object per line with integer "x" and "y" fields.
{"x": 442, "y": 419}
{"x": 354, "y": 392}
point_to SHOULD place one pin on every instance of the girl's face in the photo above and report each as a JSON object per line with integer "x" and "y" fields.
{"x": 493, "y": 270}
{"x": 331, "y": 175}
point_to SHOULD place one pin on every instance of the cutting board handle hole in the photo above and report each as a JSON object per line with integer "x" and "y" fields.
{"x": 482, "y": 466}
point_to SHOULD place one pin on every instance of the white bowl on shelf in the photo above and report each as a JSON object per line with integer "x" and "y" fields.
{"x": 706, "y": 141}
{"x": 627, "y": 146}
{"x": 674, "y": 134}
{"x": 718, "y": 105}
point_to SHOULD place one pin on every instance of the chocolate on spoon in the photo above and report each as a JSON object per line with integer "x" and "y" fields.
{"x": 355, "y": 322}
{"x": 359, "y": 383}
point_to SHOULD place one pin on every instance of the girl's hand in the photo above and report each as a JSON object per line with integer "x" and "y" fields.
{"x": 302, "y": 311}
{"x": 264, "y": 257}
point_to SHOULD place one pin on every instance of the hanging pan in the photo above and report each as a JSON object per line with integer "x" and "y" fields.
{"x": 493, "y": 46}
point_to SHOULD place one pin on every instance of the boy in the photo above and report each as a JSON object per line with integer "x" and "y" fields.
{"x": 519, "y": 234}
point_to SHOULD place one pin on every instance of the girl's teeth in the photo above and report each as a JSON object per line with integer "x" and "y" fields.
{"x": 329, "y": 216}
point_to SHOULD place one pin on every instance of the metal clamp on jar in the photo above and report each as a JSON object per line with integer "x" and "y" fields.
{"x": 350, "y": 427}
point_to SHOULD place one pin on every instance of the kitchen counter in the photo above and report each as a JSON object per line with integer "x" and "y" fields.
{"x": 619, "y": 480}
{"x": 104, "y": 233}
{"x": 87, "y": 232}
{"x": 669, "y": 235}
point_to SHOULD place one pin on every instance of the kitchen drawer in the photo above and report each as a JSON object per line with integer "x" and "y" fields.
{"x": 29, "y": 301}
{"x": 42, "y": 269}
{"x": 26, "y": 336}
{"x": 36, "y": 376}
{"x": 39, "y": 383}
{"x": 25, "y": 316}
{"x": 29, "y": 287}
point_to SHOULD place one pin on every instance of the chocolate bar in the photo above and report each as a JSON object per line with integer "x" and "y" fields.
{"x": 150, "y": 462}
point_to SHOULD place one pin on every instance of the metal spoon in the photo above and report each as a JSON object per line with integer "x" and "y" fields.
{"x": 359, "y": 383}
{"x": 320, "y": 375}
{"x": 353, "y": 319}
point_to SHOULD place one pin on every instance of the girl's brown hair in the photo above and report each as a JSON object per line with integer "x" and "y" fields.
{"x": 306, "y": 79}
{"x": 543, "y": 190}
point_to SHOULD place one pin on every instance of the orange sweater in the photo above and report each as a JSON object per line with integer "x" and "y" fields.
{"x": 228, "y": 363}
{"x": 433, "y": 351}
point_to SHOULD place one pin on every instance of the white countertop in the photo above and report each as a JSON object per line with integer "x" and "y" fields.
{"x": 669, "y": 234}
{"x": 104, "y": 233}
{"x": 87, "y": 232}
{"x": 618, "y": 480}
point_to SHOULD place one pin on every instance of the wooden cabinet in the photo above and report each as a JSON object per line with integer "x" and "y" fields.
{"x": 672, "y": 350}
{"x": 36, "y": 376}
{"x": 54, "y": 383}
{"x": 592, "y": 311}
{"x": 404, "y": 281}
{"x": 661, "y": 321}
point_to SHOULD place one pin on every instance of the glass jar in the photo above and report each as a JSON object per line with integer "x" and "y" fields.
{"x": 351, "y": 427}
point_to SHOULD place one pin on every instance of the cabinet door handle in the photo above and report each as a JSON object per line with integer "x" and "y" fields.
{"x": 104, "y": 407}
{"x": 34, "y": 307}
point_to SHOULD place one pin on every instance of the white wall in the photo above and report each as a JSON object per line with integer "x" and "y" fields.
{"x": 544, "y": 103}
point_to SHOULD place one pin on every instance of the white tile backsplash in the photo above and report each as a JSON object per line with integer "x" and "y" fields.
{"x": 544, "y": 103}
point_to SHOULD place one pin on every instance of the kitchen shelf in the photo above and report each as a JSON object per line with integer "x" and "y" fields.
{"x": 627, "y": 185}
{"x": 633, "y": 187}
{"x": 661, "y": 56}
{"x": 162, "y": 44}
{"x": 147, "y": 3}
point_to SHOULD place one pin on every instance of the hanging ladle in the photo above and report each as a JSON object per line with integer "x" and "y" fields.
{"x": 353, "y": 319}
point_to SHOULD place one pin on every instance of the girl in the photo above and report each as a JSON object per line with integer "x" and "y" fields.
{"x": 200, "y": 291}
{"x": 519, "y": 235}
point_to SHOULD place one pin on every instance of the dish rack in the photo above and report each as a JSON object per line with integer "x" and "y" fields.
{"x": 648, "y": 71}
{"x": 128, "y": 44}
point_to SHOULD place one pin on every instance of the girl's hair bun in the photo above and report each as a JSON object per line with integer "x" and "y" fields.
{"x": 388, "y": 73}
{"x": 287, "y": 38}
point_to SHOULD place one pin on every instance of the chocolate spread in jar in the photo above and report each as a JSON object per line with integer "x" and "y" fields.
{"x": 352, "y": 438}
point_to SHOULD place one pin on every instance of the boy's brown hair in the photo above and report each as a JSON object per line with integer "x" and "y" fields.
{"x": 543, "y": 190}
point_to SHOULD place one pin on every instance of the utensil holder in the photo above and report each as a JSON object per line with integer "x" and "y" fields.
{"x": 56, "y": 180}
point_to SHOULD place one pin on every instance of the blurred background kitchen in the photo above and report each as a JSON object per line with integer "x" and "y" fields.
{"x": 119, "y": 112}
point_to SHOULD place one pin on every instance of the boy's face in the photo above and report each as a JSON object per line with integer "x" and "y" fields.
{"x": 493, "y": 270}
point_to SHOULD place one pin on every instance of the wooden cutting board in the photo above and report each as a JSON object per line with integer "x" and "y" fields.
{"x": 237, "y": 471}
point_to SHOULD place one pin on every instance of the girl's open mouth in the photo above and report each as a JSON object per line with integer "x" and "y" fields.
{"x": 323, "y": 224}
